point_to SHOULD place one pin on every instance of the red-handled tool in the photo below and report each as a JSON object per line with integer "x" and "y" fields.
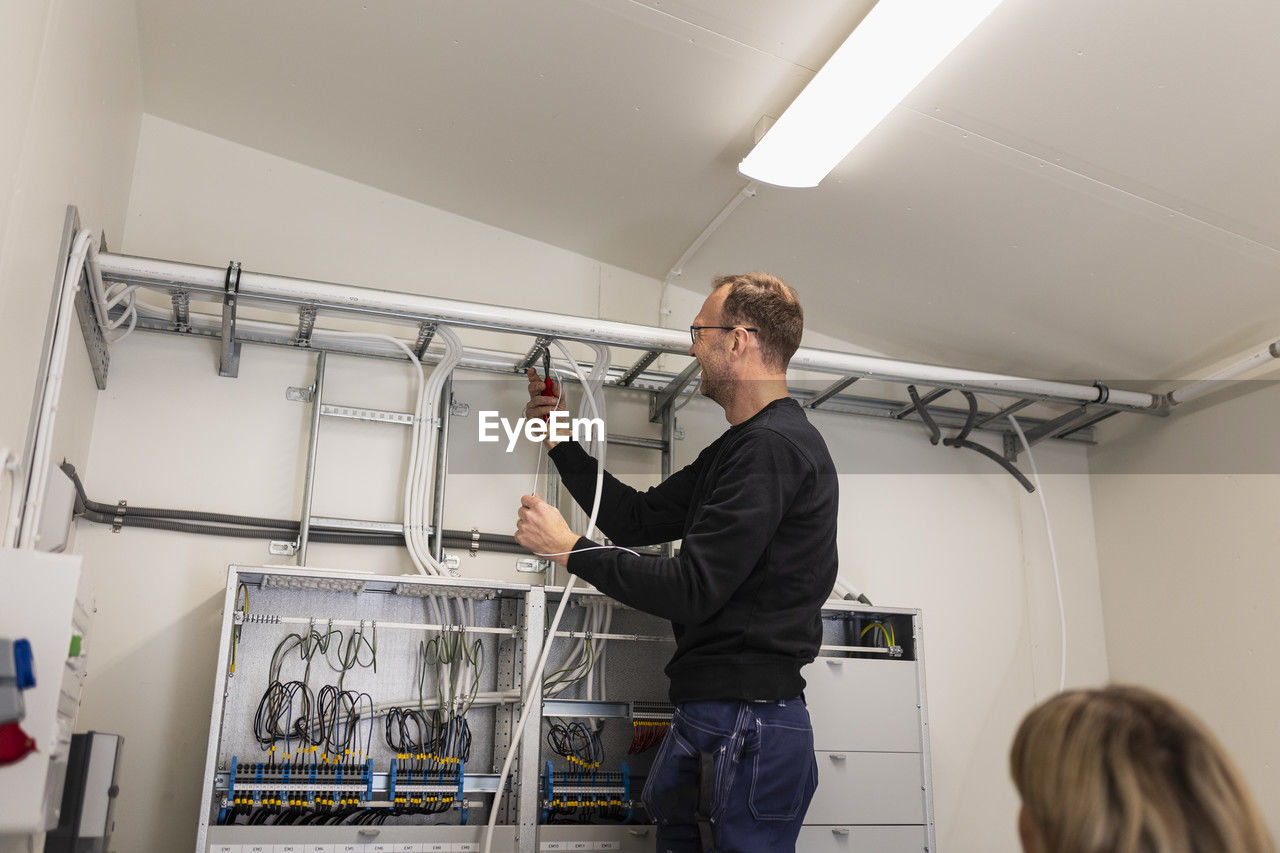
{"x": 548, "y": 387}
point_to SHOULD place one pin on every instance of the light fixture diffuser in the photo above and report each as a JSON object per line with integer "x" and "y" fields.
{"x": 887, "y": 55}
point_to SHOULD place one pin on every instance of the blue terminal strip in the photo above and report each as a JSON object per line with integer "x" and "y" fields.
{"x": 586, "y": 794}
{"x": 23, "y": 665}
{"x": 462, "y": 775}
{"x": 626, "y": 791}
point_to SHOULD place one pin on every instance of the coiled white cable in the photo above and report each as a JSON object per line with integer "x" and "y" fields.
{"x": 107, "y": 298}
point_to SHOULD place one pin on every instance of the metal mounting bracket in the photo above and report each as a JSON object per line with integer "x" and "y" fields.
{"x": 1011, "y": 446}
{"x": 181, "y": 300}
{"x": 532, "y": 565}
{"x": 280, "y": 548}
{"x": 300, "y": 393}
{"x": 229, "y": 358}
{"x": 306, "y": 325}
{"x": 636, "y": 369}
{"x": 426, "y": 331}
{"x": 535, "y": 352}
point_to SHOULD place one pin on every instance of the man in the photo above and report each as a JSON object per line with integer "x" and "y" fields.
{"x": 756, "y": 513}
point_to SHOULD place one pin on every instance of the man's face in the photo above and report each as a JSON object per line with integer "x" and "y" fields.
{"x": 708, "y": 348}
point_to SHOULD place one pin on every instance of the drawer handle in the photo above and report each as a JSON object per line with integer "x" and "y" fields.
{"x": 833, "y": 662}
{"x": 838, "y": 756}
{"x": 840, "y": 830}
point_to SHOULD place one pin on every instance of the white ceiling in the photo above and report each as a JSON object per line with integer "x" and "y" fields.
{"x": 1083, "y": 189}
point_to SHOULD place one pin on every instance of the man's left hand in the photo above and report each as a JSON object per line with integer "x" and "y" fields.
{"x": 542, "y": 529}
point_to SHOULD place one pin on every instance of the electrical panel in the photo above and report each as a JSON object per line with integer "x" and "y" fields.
{"x": 42, "y": 607}
{"x": 374, "y": 714}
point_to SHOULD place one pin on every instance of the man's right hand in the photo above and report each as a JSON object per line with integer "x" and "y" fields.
{"x": 541, "y": 405}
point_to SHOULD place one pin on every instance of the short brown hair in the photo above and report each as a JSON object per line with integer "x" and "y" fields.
{"x": 1124, "y": 770}
{"x": 770, "y": 305}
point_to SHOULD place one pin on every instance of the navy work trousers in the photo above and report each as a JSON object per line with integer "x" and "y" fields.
{"x": 764, "y": 776}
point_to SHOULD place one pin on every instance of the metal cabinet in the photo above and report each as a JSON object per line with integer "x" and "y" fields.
{"x": 865, "y": 695}
{"x": 871, "y": 736}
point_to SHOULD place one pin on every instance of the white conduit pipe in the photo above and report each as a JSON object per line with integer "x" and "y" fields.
{"x": 1200, "y": 387}
{"x": 677, "y": 269}
{"x": 38, "y": 470}
{"x": 10, "y": 463}
{"x": 843, "y": 588}
{"x": 262, "y": 287}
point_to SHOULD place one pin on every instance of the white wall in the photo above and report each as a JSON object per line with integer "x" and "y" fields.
{"x": 921, "y": 526}
{"x": 70, "y": 108}
{"x": 1187, "y": 542}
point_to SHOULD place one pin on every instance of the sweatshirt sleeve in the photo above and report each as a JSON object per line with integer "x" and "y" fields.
{"x": 628, "y": 516}
{"x": 756, "y": 483}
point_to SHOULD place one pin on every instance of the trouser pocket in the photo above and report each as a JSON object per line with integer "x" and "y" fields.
{"x": 784, "y": 772}
{"x": 671, "y": 791}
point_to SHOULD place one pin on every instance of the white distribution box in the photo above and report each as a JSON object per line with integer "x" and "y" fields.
{"x": 40, "y": 604}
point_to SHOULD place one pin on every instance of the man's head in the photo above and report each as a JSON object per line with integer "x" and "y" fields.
{"x": 751, "y": 326}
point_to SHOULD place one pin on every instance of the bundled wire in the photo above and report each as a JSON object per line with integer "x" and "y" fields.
{"x": 646, "y": 734}
{"x": 884, "y": 636}
{"x": 575, "y": 743}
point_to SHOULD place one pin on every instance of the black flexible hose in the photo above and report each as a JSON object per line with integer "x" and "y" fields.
{"x": 160, "y": 512}
{"x": 269, "y": 528}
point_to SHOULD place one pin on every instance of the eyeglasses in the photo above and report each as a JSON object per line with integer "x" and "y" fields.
{"x": 693, "y": 330}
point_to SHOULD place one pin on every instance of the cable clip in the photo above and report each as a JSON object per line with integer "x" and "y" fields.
{"x": 121, "y": 509}
{"x": 475, "y": 541}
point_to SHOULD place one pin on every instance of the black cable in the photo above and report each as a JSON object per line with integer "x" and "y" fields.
{"x": 255, "y": 527}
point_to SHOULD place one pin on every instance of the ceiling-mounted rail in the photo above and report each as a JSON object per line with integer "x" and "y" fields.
{"x": 265, "y": 289}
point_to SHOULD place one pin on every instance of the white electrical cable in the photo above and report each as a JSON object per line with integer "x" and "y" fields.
{"x": 535, "y": 682}
{"x": 9, "y": 464}
{"x": 537, "y": 469}
{"x": 1053, "y": 552}
{"x": 418, "y": 495}
{"x": 105, "y": 299}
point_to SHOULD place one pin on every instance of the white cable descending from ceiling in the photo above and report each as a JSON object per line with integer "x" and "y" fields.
{"x": 1053, "y": 550}
{"x": 1053, "y": 553}
{"x": 592, "y": 391}
{"x": 417, "y": 503}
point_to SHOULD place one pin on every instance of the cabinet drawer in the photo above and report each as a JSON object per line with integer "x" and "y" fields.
{"x": 858, "y": 704}
{"x": 862, "y": 839}
{"x": 868, "y": 788}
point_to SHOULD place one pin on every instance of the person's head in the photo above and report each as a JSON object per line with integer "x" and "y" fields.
{"x": 751, "y": 326}
{"x": 1125, "y": 770}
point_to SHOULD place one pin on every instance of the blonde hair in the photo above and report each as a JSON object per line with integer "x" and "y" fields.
{"x": 1125, "y": 770}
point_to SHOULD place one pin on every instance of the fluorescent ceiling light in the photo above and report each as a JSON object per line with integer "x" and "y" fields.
{"x": 888, "y": 54}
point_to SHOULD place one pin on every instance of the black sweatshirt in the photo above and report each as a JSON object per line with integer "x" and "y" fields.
{"x": 757, "y": 513}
